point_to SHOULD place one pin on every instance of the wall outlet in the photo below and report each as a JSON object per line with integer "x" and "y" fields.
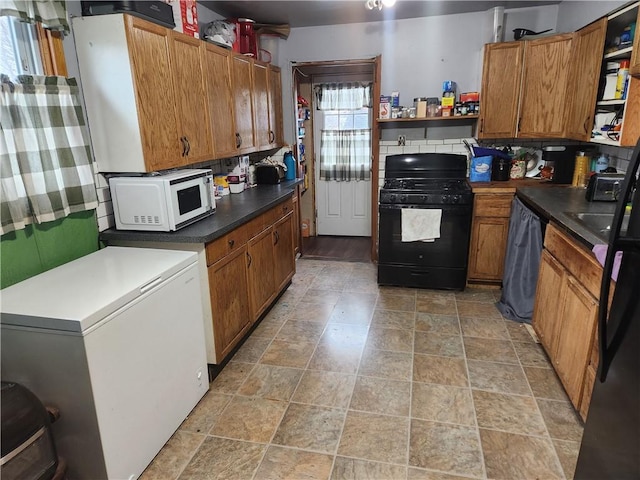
{"x": 401, "y": 140}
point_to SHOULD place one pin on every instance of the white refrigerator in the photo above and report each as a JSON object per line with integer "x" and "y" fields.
{"x": 115, "y": 340}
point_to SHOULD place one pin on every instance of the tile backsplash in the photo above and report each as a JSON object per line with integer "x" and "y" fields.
{"x": 449, "y": 145}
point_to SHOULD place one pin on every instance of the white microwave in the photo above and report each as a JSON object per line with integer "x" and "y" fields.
{"x": 162, "y": 202}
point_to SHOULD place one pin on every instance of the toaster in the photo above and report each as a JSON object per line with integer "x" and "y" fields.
{"x": 269, "y": 174}
{"x": 604, "y": 187}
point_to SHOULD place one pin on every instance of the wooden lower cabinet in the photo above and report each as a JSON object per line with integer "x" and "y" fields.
{"x": 489, "y": 233}
{"x": 546, "y": 314}
{"x": 283, "y": 251}
{"x": 228, "y": 289}
{"x": 247, "y": 269}
{"x": 260, "y": 270}
{"x": 565, "y": 312}
{"x": 579, "y": 317}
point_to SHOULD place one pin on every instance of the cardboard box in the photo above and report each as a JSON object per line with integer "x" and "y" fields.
{"x": 185, "y": 15}
{"x": 395, "y": 99}
{"x": 385, "y": 110}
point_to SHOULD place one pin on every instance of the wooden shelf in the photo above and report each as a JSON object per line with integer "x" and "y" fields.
{"x": 623, "y": 52}
{"x": 603, "y": 103}
{"x": 605, "y": 141}
{"x": 459, "y": 119}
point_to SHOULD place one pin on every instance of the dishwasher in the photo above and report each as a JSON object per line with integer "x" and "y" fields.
{"x": 115, "y": 340}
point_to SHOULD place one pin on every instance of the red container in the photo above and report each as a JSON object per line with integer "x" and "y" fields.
{"x": 246, "y": 41}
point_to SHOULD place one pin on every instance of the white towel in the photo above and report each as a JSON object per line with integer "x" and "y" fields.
{"x": 420, "y": 224}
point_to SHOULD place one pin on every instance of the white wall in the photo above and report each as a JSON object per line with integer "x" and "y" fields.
{"x": 417, "y": 54}
{"x": 573, "y": 15}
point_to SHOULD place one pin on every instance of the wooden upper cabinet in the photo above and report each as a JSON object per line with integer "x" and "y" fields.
{"x": 149, "y": 46}
{"x": 275, "y": 107}
{"x": 241, "y": 69}
{"x": 217, "y": 65}
{"x": 586, "y": 61}
{"x": 193, "y": 119}
{"x": 261, "y": 105}
{"x": 545, "y": 89}
{"x": 501, "y": 76}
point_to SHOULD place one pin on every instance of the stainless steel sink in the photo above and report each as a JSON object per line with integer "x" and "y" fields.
{"x": 597, "y": 222}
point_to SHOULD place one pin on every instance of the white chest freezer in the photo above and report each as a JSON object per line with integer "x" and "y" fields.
{"x": 114, "y": 339}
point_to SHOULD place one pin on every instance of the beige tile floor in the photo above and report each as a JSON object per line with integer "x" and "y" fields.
{"x": 347, "y": 380}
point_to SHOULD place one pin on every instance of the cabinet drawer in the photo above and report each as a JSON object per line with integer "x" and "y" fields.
{"x": 492, "y": 205}
{"x": 255, "y": 226}
{"x": 278, "y": 212}
{"x": 226, "y": 244}
{"x": 575, "y": 258}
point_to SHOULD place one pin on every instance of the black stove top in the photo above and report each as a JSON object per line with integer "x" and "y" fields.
{"x": 426, "y": 178}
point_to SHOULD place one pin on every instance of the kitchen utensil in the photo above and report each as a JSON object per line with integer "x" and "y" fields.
{"x": 534, "y": 164}
{"x": 518, "y": 33}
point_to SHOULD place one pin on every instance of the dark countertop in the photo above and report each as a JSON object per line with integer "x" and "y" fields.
{"x": 554, "y": 203}
{"x": 231, "y": 212}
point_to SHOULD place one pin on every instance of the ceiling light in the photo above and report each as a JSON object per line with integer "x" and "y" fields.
{"x": 373, "y": 4}
{"x": 388, "y": 3}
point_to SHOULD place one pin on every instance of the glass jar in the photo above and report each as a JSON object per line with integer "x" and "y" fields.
{"x": 420, "y": 104}
{"x": 412, "y": 112}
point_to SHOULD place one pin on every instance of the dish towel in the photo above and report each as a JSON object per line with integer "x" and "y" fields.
{"x": 600, "y": 251}
{"x": 420, "y": 224}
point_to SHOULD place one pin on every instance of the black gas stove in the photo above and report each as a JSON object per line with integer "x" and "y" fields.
{"x": 421, "y": 191}
{"x": 425, "y": 181}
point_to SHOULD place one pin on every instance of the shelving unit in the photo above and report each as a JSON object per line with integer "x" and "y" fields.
{"x": 435, "y": 120}
{"x": 303, "y": 116}
{"x": 626, "y": 111}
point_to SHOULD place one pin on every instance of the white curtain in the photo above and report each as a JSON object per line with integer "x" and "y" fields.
{"x": 345, "y": 155}
{"x": 343, "y": 96}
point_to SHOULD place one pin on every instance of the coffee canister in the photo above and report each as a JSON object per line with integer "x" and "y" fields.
{"x": 420, "y": 104}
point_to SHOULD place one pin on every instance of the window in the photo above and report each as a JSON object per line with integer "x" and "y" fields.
{"x": 345, "y": 145}
{"x": 19, "y": 50}
{"x": 30, "y": 49}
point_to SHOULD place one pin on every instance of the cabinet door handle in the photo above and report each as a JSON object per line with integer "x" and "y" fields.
{"x": 238, "y": 140}
{"x": 184, "y": 146}
{"x": 188, "y": 145}
{"x": 249, "y": 259}
{"x": 231, "y": 243}
{"x": 518, "y": 127}
{"x": 277, "y": 237}
{"x": 482, "y": 125}
{"x": 272, "y": 136}
{"x": 586, "y": 125}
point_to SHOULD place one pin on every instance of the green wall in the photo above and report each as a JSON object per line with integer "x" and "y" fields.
{"x": 39, "y": 248}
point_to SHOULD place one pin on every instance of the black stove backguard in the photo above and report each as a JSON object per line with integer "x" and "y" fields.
{"x": 425, "y": 165}
{"x": 424, "y": 181}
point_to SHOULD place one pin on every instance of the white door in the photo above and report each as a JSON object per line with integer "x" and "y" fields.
{"x": 343, "y": 208}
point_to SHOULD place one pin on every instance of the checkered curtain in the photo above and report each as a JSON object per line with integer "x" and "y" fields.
{"x": 46, "y": 169}
{"x": 343, "y": 96}
{"x": 345, "y": 155}
{"x": 52, "y": 14}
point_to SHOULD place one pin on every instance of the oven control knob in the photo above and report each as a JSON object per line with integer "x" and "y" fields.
{"x": 456, "y": 199}
{"x": 403, "y": 198}
{"x": 445, "y": 198}
{"x": 392, "y": 198}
